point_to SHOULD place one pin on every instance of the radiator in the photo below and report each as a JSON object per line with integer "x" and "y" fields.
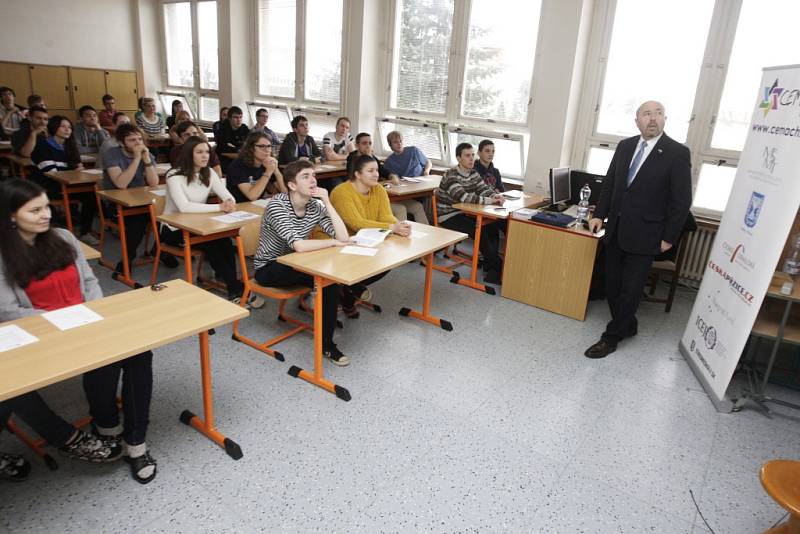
{"x": 698, "y": 247}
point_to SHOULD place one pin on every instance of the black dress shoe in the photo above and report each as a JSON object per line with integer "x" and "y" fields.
{"x": 601, "y": 349}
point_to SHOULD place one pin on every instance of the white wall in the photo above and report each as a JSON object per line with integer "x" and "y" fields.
{"x": 78, "y": 33}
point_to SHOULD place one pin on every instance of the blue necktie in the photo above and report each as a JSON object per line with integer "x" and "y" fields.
{"x": 637, "y": 159}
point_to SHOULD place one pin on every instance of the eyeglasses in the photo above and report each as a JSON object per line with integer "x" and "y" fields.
{"x": 263, "y": 147}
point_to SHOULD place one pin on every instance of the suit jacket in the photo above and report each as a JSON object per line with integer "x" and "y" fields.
{"x": 655, "y": 206}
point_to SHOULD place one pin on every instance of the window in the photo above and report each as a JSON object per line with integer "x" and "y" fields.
{"x": 714, "y": 187}
{"x": 319, "y": 123}
{"x": 509, "y": 152}
{"x": 280, "y": 117}
{"x": 426, "y": 137}
{"x": 599, "y": 160}
{"x": 165, "y": 99}
{"x": 300, "y": 49}
{"x": 190, "y": 39}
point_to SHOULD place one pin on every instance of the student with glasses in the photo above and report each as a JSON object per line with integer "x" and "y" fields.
{"x": 255, "y": 172}
{"x": 261, "y": 126}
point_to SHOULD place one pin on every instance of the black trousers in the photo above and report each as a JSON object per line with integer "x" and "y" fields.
{"x": 490, "y": 239}
{"x": 279, "y": 275}
{"x": 626, "y": 275}
{"x": 101, "y": 385}
{"x": 221, "y": 255}
{"x": 31, "y": 408}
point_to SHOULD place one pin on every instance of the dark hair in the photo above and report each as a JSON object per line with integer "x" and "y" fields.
{"x": 34, "y": 100}
{"x": 297, "y": 120}
{"x": 145, "y": 100}
{"x": 185, "y": 166}
{"x": 5, "y": 89}
{"x": 483, "y": 144}
{"x": 462, "y": 147}
{"x": 362, "y": 135}
{"x": 175, "y": 103}
{"x": 234, "y": 110}
{"x": 247, "y": 154}
{"x": 183, "y": 126}
{"x": 84, "y": 109}
{"x": 293, "y": 169}
{"x": 340, "y": 119}
{"x": 107, "y": 97}
{"x": 117, "y": 114}
{"x": 23, "y": 262}
{"x": 259, "y": 110}
{"x": 36, "y": 109}
{"x": 70, "y": 145}
{"x": 358, "y": 164}
{"x": 124, "y": 130}
{"x": 223, "y": 108}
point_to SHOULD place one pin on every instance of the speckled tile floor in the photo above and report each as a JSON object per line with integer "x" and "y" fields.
{"x": 499, "y": 426}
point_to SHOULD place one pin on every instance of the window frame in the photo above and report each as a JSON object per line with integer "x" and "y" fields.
{"x": 521, "y": 139}
{"x": 253, "y": 106}
{"x": 439, "y": 127}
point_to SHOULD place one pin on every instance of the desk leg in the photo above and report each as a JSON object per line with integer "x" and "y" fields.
{"x": 65, "y": 200}
{"x": 206, "y": 426}
{"x": 187, "y": 256}
{"x": 426, "y": 301}
{"x": 125, "y": 278}
{"x": 317, "y": 378}
{"x": 473, "y": 277}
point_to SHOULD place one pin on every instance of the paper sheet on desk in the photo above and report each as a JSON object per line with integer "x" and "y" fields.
{"x": 525, "y": 212}
{"x": 72, "y": 317}
{"x": 235, "y": 216}
{"x": 411, "y": 179}
{"x": 159, "y": 192}
{"x": 12, "y": 336}
{"x": 262, "y": 202}
{"x": 93, "y": 171}
{"x": 359, "y": 251}
{"x": 371, "y": 237}
{"x": 513, "y": 193}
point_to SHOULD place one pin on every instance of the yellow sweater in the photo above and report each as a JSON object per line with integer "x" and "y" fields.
{"x": 362, "y": 211}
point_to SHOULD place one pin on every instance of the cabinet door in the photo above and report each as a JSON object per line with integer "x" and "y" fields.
{"x": 53, "y": 84}
{"x": 88, "y": 87}
{"x": 17, "y": 77}
{"x": 122, "y": 86}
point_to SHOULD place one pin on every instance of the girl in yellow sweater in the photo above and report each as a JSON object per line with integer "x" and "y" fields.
{"x": 363, "y": 203}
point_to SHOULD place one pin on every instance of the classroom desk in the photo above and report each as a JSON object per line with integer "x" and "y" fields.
{"x": 158, "y": 141}
{"x": 72, "y": 182}
{"x": 5, "y": 148}
{"x": 89, "y": 252}
{"x": 129, "y": 201}
{"x": 133, "y": 322}
{"x": 200, "y": 228}
{"x": 329, "y": 266}
{"x": 491, "y": 212}
{"x": 19, "y": 165}
{"x": 88, "y": 160}
{"x": 549, "y": 267}
{"x": 410, "y": 190}
{"x": 330, "y": 169}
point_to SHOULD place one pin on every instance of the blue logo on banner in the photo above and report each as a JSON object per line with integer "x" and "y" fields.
{"x": 753, "y": 209}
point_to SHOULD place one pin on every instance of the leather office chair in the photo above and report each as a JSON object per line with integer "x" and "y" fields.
{"x": 669, "y": 264}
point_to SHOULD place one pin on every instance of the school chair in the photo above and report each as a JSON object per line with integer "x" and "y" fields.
{"x": 781, "y": 480}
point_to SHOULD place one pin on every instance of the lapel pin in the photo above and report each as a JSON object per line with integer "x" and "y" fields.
{"x": 660, "y": 151}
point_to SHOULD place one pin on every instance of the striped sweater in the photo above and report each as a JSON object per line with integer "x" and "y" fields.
{"x": 460, "y": 185}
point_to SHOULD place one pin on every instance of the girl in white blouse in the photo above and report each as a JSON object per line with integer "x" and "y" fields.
{"x": 189, "y": 184}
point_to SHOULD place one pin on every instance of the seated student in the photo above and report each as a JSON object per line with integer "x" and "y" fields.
{"x": 298, "y": 144}
{"x": 223, "y": 116}
{"x": 35, "y": 100}
{"x": 177, "y": 107}
{"x": 59, "y": 152}
{"x": 43, "y": 269}
{"x": 363, "y": 203}
{"x": 401, "y": 209}
{"x": 11, "y": 115}
{"x": 183, "y": 132}
{"x": 405, "y": 161}
{"x": 131, "y": 165}
{"x": 464, "y": 184}
{"x": 286, "y": 227}
{"x": 88, "y": 133}
{"x": 337, "y": 145}
{"x": 23, "y": 141}
{"x": 188, "y": 187}
{"x": 231, "y": 137}
{"x": 255, "y": 172}
{"x": 149, "y": 121}
{"x": 119, "y": 118}
{"x": 183, "y": 116}
{"x": 486, "y": 168}
{"x": 106, "y": 115}
{"x": 261, "y": 126}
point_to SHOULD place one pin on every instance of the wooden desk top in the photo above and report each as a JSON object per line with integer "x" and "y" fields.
{"x": 406, "y": 188}
{"x": 203, "y": 223}
{"x": 348, "y": 269}
{"x": 162, "y": 168}
{"x": 89, "y": 158}
{"x": 75, "y": 177}
{"x": 576, "y": 230}
{"x": 774, "y": 290}
{"x": 5, "y": 146}
{"x": 89, "y": 252}
{"x": 131, "y": 197}
{"x": 19, "y": 160}
{"x": 133, "y": 321}
{"x": 528, "y": 200}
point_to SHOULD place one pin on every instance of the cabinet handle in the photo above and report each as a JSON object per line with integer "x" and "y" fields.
{"x": 66, "y": 87}
{"x": 76, "y": 87}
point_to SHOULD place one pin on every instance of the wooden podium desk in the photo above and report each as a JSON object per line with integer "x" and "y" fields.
{"x": 133, "y": 322}
{"x": 549, "y": 267}
{"x": 329, "y": 266}
{"x": 73, "y": 182}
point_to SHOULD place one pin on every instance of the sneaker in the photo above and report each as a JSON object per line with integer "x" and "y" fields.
{"x": 140, "y": 467}
{"x": 14, "y": 468}
{"x": 335, "y": 356}
{"x": 90, "y": 240}
{"x": 348, "y": 302}
{"x": 168, "y": 260}
{"x": 255, "y": 301}
{"x": 112, "y": 441}
{"x": 361, "y": 292}
{"x": 91, "y": 449}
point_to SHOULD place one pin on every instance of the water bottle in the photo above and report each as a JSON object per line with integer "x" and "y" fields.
{"x": 791, "y": 265}
{"x": 583, "y": 205}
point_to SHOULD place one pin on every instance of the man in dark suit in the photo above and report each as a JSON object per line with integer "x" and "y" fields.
{"x": 646, "y": 196}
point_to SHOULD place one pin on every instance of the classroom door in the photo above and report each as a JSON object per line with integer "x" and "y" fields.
{"x": 17, "y": 77}
{"x": 122, "y": 86}
{"x": 53, "y": 84}
{"x": 88, "y": 87}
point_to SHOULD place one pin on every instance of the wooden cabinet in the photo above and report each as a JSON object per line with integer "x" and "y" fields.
{"x": 88, "y": 87}
{"x": 122, "y": 85}
{"x": 17, "y": 77}
{"x": 53, "y": 84}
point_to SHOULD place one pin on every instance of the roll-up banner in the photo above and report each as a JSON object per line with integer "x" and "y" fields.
{"x": 758, "y": 217}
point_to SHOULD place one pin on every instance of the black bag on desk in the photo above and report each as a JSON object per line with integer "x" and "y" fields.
{"x": 553, "y": 219}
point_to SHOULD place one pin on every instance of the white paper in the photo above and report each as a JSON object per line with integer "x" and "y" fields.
{"x": 411, "y": 179}
{"x": 513, "y": 193}
{"x": 359, "y": 251}
{"x": 93, "y": 171}
{"x": 163, "y": 167}
{"x": 159, "y": 192}
{"x": 371, "y": 237}
{"x": 72, "y": 317}
{"x": 234, "y": 217}
{"x": 525, "y": 212}
{"x": 12, "y": 336}
{"x": 416, "y": 234}
{"x": 262, "y": 202}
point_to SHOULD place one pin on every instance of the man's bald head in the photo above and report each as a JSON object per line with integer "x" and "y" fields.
{"x": 650, "y": 119}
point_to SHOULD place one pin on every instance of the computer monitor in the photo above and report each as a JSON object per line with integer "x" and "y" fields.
{"x": 578, "y": 179}
{"x": 559, "y": 188}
